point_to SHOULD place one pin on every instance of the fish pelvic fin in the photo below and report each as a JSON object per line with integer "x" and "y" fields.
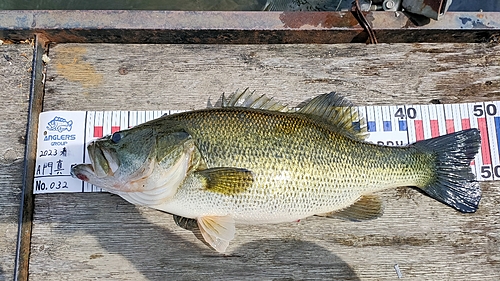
{"x": 454, "y": 183}
{"x": 226, "y": 181}
{"x": 367, "y": 207}
{"x": 217, "y": 231}
{"x": 186, "y": 223}
{"x": 339, "y": 113}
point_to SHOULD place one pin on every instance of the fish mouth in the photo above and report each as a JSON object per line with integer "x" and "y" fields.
{"x": 104, "y": 163}
{"x": 82, "y": 172}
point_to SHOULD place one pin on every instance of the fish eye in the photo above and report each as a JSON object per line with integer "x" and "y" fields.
{"x": 116, "y": 137}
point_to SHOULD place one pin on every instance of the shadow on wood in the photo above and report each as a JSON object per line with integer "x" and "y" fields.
{"x": 157, "y": 249}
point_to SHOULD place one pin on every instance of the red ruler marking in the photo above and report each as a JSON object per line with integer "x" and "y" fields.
{"x": 98, "y": 132}
{"x": 450, "y": 126}
{"x": 434, "y": 128}
{"x": 419, "y": 130}
{"x": 465, "y": 124}
{"x": 485, "y": 144}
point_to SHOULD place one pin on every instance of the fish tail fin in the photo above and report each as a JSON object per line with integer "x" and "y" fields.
{"x": 454, "y": 183}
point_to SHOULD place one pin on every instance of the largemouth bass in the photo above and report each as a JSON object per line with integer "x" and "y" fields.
{"x": 253, "y": 161}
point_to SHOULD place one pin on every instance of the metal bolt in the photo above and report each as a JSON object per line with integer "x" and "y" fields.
{"x": 389, "y": 4}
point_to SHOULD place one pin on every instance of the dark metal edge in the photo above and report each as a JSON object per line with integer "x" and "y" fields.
{"x": 218, "y": 27}
{"x": 21, "y": 265}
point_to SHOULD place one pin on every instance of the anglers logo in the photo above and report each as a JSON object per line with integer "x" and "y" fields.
{"x": 59, "y": 124}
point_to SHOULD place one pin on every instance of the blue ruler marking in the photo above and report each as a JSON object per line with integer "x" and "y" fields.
{"x": 387, "y": 126}
{"x": 403, "y": 126}
{"x": 497, "y": 129}
{"x": 372, "y": 127}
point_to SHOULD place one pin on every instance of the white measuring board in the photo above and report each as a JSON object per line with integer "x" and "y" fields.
{"x": 63, "y": 135}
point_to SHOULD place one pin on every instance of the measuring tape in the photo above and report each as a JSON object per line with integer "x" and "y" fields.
{"x": 63, "y": 135}
{"x": 400, "y": 125}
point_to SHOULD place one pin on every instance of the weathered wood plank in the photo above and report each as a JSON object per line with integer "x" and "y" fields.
{"x": 90, "y": 236}
{"x": 15, "y": 71}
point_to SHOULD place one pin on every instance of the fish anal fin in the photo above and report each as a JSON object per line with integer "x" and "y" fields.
{"x": 217, "y": 231}
{"x": 224, "y": 180}
{"x": 338, "y": 112}
{"x": 367, "y": 207}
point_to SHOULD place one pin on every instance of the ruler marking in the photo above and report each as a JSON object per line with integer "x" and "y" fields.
{"x": 426, "y": 121}
{"x": 433, "y": 121}
{"x": 482, "y": 169}
{"x": 497, "y": 129}
{"x": 386, "y": 119}
{"x": 115, "y": 121}
{"x": 387, "y": 126}
{"x": 465, "y": 124}
{"x": 418, "y": 120}
{"x": 378, "y": 118}
{"x": 450, "y": 126}
{"x": 98, "y": 127}
{"x": 403, "y": 125}
{"x": 450, "y": 118}
{"x": 456, "y": 115}
{"x": 434, "y": 128}
{"x": 123, "y": 120}
{"x": 419, "y": 130}
{"x": 149, "y": 116}
{"x": 492, "y": 121}
{"x": 372, "y": 127}
{"x": 441, "y": 119}
{"x": 370, "y": 118}
{"x": 485, "y": 148}
{"x": 410, "y": 123}
{"x": 106, "y": 123}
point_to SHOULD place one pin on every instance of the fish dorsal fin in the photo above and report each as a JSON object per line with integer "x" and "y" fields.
{"x": 217, "y": 231}
{"x": 249, "y": 99}
{"x": 224, "y": 180}
{"x": 338, "y": 112}
{"x": 367, "y": 207}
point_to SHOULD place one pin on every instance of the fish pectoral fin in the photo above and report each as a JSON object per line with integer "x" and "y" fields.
{"x": 338, "y": 112}
{"x": 367, "y": 207}
{"x": 217, "y": 231}
{"x": 227, "y": 181}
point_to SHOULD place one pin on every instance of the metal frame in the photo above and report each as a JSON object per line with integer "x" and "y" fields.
{"x": 27, "y": 200}
{"x": 244, "y": 27}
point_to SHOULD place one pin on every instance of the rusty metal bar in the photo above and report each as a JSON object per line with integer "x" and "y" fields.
{"x": 27, "y": 197}
{"x": 243, "y": 27}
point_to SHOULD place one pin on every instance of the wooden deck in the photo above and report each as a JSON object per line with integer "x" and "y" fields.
{"x": 15, "y": 73}
{"x": 100, "y": 236}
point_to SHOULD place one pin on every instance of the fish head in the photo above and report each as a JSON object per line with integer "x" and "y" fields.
{"x": 135, "y": 160}
{"x": 119, "y": 159}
